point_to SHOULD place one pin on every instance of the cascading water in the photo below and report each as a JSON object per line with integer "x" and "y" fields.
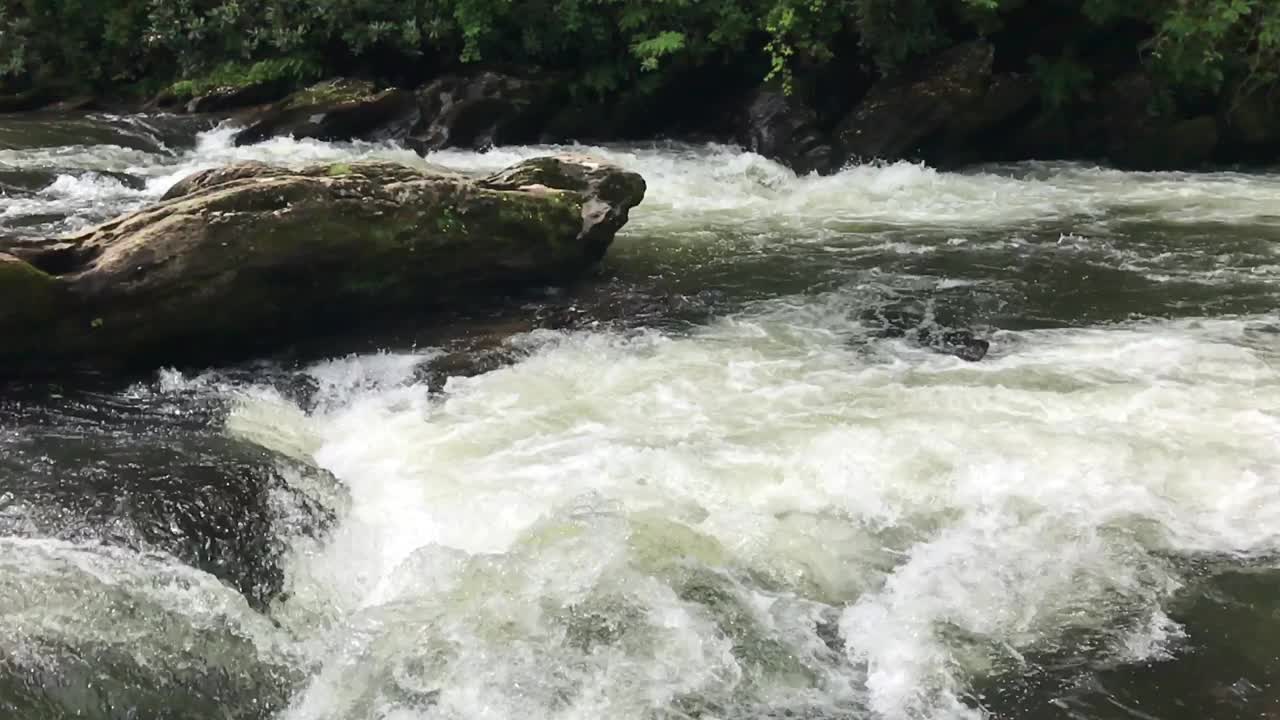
{"x": 732, "y": 487}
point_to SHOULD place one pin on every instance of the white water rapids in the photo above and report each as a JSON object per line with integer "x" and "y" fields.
{"x": 775, "y": 513}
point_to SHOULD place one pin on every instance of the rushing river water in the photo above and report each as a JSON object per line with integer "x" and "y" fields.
{"x": 718, "y": 481}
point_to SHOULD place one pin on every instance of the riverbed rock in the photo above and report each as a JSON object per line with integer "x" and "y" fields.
{"x": 235, "y": 97}
{"x": 337, "y": 110}
{"x": 480, "y": 110}
{"x": 144, "y": 478}
{"x": 961, "y": 343}
{"x": 1007, "y": 95}
{"x": 902, "y": 111}
{"x": 782, "y": 128}
{"x": 238, "y": 259}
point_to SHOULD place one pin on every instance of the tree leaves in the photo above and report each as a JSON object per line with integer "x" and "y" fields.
{"x": 609, "y": 45}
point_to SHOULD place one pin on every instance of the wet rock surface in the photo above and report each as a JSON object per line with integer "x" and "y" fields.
{"x": 137, "y": 476}
{"x": 238, "y": 256}
{"x": 781, "y": 127}
{"x": 900, "y": 112}
{"x": 337, "y": 110}
{"x": 481, "y": 110}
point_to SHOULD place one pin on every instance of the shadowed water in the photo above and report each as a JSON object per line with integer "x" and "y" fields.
{"x": 723, "y": 478}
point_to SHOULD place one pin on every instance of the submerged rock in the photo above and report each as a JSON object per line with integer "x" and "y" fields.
{"x": 983, "y": 128}
{"x": 212, "y": 502}
{"x": 239, "y": 259}
{"x": 961, "y": 343}
{"x": 910, "y": 322}
{"x": 337, "y": 110}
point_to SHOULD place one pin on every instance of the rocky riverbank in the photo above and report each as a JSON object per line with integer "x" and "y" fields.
{"x": 958, "y": 106}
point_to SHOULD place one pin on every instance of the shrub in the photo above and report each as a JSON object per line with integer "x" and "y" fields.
{"x": 605, "y": 45}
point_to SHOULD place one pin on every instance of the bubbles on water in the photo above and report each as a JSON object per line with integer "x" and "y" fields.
{"x": 757, "y": 516}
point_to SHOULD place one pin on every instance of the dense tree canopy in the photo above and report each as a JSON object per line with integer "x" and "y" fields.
{"x": 1192, "y": 46}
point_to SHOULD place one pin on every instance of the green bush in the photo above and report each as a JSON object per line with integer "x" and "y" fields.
{"x": 294, "y": 71}
{"x": 605, "y": 45}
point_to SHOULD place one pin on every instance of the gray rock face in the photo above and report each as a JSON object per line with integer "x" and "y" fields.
{"x": 481, "y": 110}
{"x": 901, "y": 112}
{"x": 782, "y": 128}
{"x": 247, "y": 255}
{"x": 337, "y": 110}
{"x": 223, "y": 99}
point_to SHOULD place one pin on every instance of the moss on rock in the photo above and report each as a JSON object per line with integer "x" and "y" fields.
{"x": 243, "y": 257}
{"x": 27, "y": 294}
{"x": 331, "y": 92}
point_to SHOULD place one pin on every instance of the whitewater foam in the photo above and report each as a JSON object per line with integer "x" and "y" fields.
{"x": 757, "y": 480}
{"x": 696, "y": 188}
{"x": 782, "y": 509}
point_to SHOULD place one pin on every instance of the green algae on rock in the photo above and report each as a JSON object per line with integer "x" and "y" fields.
{"x": 340, "y": 109}
{"x": 244, "y": 256}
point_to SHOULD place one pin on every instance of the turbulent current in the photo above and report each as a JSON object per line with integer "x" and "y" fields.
{"x": 718, "y": 480}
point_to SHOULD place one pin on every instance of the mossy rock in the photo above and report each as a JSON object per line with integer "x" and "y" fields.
{"x": 331, "y": 92}
{"x": 30, "y": 305}
{"x": 27, "y": 294}
{"x": 239, "y": 259}
{"x": 337, "y": 110}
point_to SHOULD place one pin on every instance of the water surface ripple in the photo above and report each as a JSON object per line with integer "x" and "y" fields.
{"x": 722, "y": 479}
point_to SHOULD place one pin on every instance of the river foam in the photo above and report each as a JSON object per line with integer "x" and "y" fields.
{"x": 699, "y": 187}
{"x": 765, "y": 515}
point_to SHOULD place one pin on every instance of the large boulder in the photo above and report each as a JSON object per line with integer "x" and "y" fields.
{"x": 1135, "y": 136}
{"x": 982, "y": 129}
{"x": 225, "y": 98}
{"x": 239, "y": 259}
{"x": 480, "y": 110}
{"x": 782, "y": 128}
{"x": 902, "y": 111}
{"x": 335, "y": 110}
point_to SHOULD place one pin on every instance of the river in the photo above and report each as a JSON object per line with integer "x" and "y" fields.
{"x": 717, "y": 481}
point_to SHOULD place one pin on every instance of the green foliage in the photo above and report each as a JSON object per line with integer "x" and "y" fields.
{"x": 608, "y": 46}
{"x": 893, "y": 31}
{"x": 1203, "y": 43}
{"x": 57, "y": 43}
{"x": 802, "y": 30}
{"x": 294, "y": 71}
{"x": 652, "y": 50}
